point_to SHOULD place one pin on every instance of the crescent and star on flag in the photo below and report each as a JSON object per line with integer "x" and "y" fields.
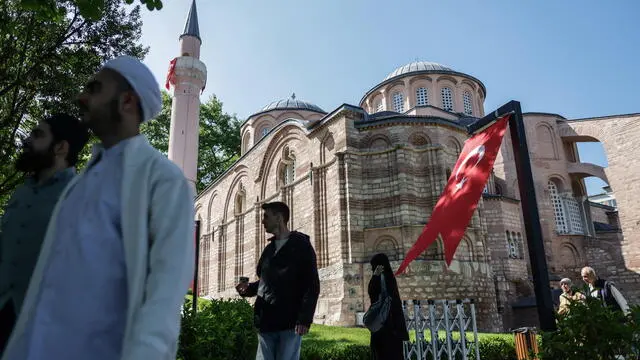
{"x": 459, "y": 199}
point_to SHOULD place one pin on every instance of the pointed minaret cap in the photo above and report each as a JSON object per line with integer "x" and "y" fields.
{"x": 191, "y": 28}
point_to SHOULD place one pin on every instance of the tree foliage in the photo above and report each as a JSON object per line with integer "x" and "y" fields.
{"x": 55, "y": 10}
{"x": 219, "y": 139}
{"x": 593, "y": 331}
{"x": 46, "y": 62}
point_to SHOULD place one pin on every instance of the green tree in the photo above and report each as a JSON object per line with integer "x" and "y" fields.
{"x": 45, "y": 63}
{"x": 219, "y": 139}
{"x": 593, "y": 331}
{"x": 89, "y": 9}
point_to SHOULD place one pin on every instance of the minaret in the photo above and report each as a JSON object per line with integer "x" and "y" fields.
{"x": 189, "y": 80}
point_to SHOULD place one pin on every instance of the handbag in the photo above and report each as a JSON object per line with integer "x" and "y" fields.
{"x": 378, "y": 312}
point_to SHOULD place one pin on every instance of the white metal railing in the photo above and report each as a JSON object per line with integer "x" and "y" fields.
{"x": 442, "y": 319}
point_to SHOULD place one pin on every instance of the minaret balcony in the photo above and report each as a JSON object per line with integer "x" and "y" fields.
{"x": 191, "y": 68}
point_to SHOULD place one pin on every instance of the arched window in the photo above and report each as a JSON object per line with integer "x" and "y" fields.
{"x": 265, "y": 131}
{"x": 447, "y": 99}
{"x": 512, "y": 245}
{"x": 558, "y": 208}
{"x": 575, "y": 215}
{"x": 520, "y": 246}
{"x": 288, "y": 172}
{"x": 388, "y": 247}
{"x": 464, "y": 252}
{"x": 245, "y": 143}
{"x": 379, "y": 106}
{"x": 422, "y": 96}
{"x": 453, "y": 144}
{"x": 468, "y": 103}
{"x": 398, "y": 102}
{"x": 240, "y": 203}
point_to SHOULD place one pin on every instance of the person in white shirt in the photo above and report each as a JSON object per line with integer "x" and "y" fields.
{"x": 118, "y": 255}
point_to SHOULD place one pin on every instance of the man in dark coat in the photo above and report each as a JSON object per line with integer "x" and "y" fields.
{"x": 287, "y": 290}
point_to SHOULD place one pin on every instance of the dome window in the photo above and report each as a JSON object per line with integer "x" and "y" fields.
{"x": 468, "y": 104}
{"x": 447, "y": 99}
{"x": 422, "y": 96}
{"x": 398, "y": 102}
{"x": 379, "y": 106}
{"x": 265, "y": 131}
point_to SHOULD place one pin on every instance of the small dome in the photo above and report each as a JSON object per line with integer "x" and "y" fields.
{"x": 417, "y": 66}
{"x": 292, "y": 104}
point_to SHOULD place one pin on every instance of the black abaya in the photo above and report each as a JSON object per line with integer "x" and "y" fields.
{"x": 386, "y": 344}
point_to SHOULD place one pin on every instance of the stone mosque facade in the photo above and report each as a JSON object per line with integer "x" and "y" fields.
{"x": 363, "y": 179}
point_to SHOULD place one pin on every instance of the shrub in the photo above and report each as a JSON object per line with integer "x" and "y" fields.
{"x": 594, "y": 331}
{"x": 221, "y": 330}
{"x": 498, "y": 347}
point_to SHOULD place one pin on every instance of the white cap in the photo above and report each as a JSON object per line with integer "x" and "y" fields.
{"x": 142, "y": 81}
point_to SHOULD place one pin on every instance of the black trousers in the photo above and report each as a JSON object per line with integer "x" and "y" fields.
{"x": 7, "y": 322}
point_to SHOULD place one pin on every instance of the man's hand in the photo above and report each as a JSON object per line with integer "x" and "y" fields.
{"x": 302, "y": 330}
{"x": 242, "y": 288}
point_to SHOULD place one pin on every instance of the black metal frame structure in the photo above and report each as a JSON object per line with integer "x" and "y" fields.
{"x": 533, "y": 229}
{"x": 195, "y": 273}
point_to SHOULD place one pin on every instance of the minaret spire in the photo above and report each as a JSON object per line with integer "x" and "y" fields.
{"x": 190, "y": 77}
{"x": 191, "y": 27}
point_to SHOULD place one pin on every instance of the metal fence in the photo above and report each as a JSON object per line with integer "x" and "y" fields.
{"x": 448, "y": 324}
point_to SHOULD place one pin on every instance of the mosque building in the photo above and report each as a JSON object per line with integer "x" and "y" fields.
{"x": 363, "y": 179}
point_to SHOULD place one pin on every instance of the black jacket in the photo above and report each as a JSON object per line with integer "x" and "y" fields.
{"x": 604, "y": 293}
{"x": 291, "y": 285}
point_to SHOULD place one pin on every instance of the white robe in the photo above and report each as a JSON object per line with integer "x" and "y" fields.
{"x": 158, "y": 236}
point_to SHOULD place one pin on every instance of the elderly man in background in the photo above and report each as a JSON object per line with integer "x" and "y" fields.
{"x": 118, "y": 256}
{"x": 604, "y": 290}
{"x": 567, "y": 296}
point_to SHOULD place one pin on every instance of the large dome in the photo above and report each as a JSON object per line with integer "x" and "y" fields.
{"x": 417, "y": 66}
{"x": 292, "y": 104}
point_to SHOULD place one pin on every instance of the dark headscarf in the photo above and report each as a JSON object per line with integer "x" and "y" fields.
{"x": 396, "y": 324}
{"x": 381, "y": 259}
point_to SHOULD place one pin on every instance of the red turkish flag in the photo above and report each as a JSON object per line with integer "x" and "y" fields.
{"x": 460, "y": 197}
{"x": 171, "y": 74}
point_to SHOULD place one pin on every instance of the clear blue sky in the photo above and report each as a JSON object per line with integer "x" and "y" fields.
{"x": 575, "y": 58}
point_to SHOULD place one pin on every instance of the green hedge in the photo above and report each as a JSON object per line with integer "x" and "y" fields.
{"x": 223, "y": 330}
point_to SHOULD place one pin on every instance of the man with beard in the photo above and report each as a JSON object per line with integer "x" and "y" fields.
{"x": 118, "y": 256}
{"x": 47, "y": 159}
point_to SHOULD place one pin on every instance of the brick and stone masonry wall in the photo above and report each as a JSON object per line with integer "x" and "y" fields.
{"x": 619, "y": 136}
{"x": 364, "y": 190}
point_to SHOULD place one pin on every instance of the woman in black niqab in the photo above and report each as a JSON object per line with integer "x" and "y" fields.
{"x": 386, "y": 344}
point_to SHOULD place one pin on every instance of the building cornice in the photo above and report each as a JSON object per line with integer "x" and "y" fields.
{"x": 605, "y": 117}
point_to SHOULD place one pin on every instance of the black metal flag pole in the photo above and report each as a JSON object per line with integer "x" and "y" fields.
{"x": 195, "y": 273}
{"x": 530, "y": 213}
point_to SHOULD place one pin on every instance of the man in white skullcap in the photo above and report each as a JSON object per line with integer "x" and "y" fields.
{"x": 118, "y": 255}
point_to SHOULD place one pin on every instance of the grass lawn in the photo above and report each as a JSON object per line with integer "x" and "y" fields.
{"x": 335, "y": 335}
{"x": 330, "y": 335}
